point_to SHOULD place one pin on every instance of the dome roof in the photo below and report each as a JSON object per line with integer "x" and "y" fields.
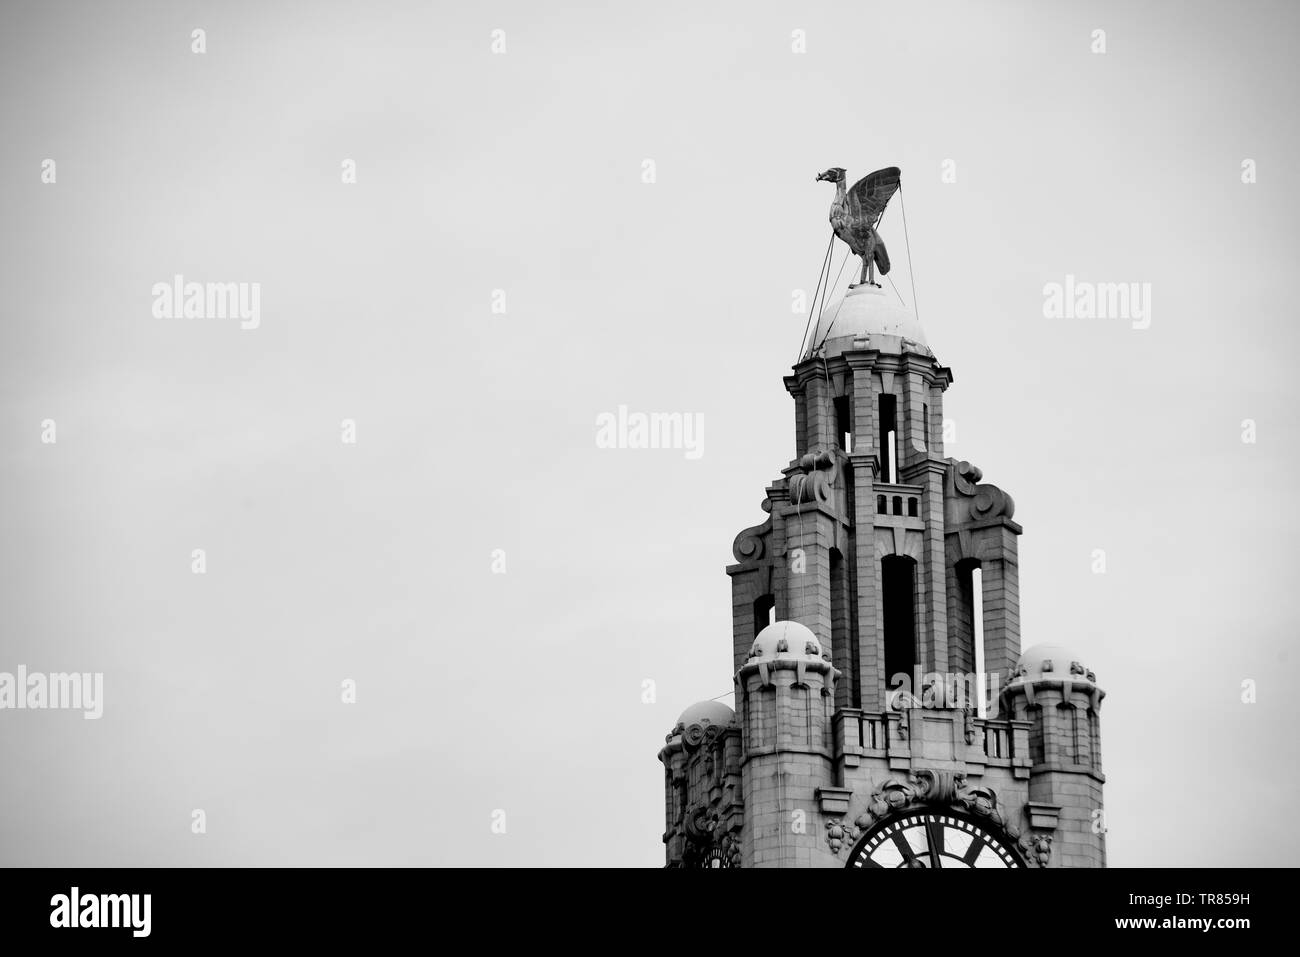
{"x": 786, "y": 639}
{"x": 872, "y": 313}
{"x": 1052, "y": 661}
{"x": 707, "y": 712}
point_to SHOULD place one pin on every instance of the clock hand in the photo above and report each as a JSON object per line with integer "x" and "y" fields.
{"x": 905, "y": 849}
{"x": 932, "y": 839}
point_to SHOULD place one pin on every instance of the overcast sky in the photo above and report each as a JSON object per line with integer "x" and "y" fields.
{"x": 523, "y": 172}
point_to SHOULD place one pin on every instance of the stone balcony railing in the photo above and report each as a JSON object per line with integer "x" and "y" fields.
{"x": 897, "y": 502}
{"x": 930, "y": 736}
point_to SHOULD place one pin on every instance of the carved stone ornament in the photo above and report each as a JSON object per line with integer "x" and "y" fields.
{"x": 730, "y": 845}
{"x": 1037, "y": 847}
{"x": 1076, "y": 668}
{"x": 988, "y": 501}
{"x": 814, "y": 484}
{"x": 709, "y": 841}
{"x": 698, "y": 733}
{"x": 699, "y": 823}
{"x": 751, "y": 544}
{"x": 922, "y": 787}
{"x": 1034, "y": 843}
{"x": 837, "y": 834}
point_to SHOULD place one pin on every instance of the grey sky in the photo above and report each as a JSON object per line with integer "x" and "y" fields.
{"x": 522, "y": 172}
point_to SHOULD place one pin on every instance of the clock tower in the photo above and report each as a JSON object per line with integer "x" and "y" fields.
{"x": 885, "y": 714}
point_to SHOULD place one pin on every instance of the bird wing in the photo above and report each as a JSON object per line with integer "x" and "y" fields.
{"x": 869, "y": 195}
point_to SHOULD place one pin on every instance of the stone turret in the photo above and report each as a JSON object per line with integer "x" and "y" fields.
{"x": 785, "y": 694}
{"x": 1058, "y": 694}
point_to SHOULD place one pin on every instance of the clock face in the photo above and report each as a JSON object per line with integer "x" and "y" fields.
{"x": 936, "y": 838}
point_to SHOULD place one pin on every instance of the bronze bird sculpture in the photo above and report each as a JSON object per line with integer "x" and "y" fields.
{"x": 856, "y": 213}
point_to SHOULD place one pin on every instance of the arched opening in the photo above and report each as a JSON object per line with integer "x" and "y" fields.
{"x": 961, "y": 615}
{"x": 898, "y": 505}
{"x": 844, "y": 423}
{"x": 841, "y": 653}
{"x": 1076, "y": 735}
{"x": 1037, "y": 746}
{"x": 887, "y": 416}
{"x": 911, "y": 508}
{"x": 898, "y": 592}
{"x": 881, "y": 507}
{"x": 763, "y": 606}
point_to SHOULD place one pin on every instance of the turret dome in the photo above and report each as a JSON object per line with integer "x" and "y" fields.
{"x": 786, "y": 639}
{"x": 868, "y": 312}
{"x": 707, "y": 712}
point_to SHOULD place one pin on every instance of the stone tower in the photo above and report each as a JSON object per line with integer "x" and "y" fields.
{"x": 885, "y": 714}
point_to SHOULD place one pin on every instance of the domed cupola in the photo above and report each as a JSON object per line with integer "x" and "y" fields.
{"x": 868, "y": 313}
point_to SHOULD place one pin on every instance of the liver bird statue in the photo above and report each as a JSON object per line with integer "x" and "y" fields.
{"x": 856, "y": 213}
